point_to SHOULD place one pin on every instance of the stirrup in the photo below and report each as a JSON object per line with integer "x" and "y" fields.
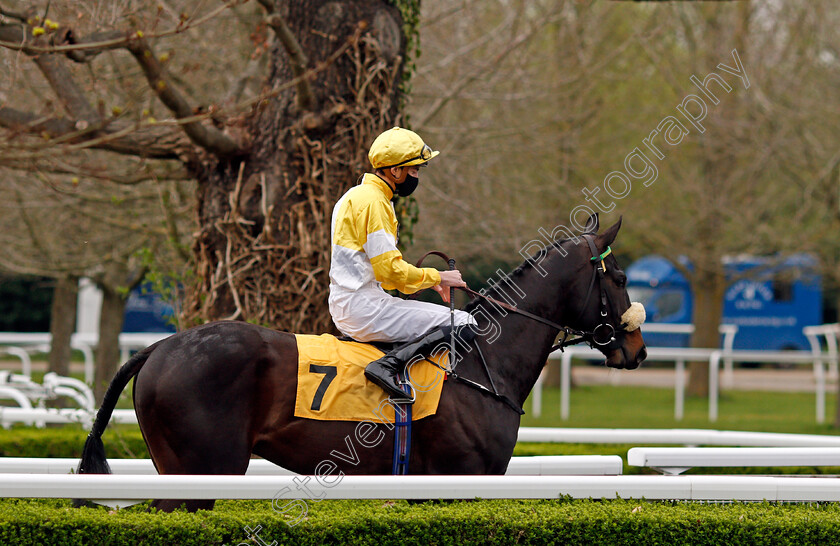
{"x": 402, "y": 379}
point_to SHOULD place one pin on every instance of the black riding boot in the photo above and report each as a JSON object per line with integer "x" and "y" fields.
{"x": 383, "y": 372}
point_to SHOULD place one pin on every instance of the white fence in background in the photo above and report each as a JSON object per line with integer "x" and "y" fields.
{"x": 22, "y": 344}
{"x": 528, "y": 477}
{"x": 40, "y": 417}
{"x": 683, "y": 436}
{"x": 779, "y": 357}
{"x": 817, "y": 357}
{"x": 22, "y": 390}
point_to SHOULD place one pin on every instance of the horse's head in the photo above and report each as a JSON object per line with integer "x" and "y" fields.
{"x": 600, "y": 302}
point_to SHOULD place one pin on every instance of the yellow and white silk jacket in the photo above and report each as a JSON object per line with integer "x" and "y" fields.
{"x": 364, "y": 243}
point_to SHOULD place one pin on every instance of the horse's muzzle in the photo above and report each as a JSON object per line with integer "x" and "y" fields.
{"x": 630, "y": 354}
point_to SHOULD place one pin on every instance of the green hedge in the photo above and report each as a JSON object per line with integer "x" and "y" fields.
{"x": 123, "y": 441}
{"x": 572, "y": 522}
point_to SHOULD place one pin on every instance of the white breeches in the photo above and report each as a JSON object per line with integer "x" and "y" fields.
{"x": 370, "y": 314}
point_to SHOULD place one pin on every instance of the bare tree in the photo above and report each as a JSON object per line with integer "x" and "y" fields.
{"x": 65, "y": 228}
{"x": 507, "y": 91}
{"x": 269, "y": 106}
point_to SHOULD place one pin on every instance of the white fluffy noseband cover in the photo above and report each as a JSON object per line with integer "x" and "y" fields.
{"x": 634, "y": 316}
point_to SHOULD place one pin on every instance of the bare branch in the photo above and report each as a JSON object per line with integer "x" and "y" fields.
{"x": 13, "y": 35}
{"x": 305, "y": 97}
{"x": 63, "y": 40}
{"x": 31, "y": 123}
{"x": 206, "y": 136}
{"x": 12, "y": 15}
{"x": 34, "y": 236}
{"x": 268, "y": 5}
{"x": 438, "y": 105}
{"x": 72, "y": 97}
{"x": 105, "y": 40}
{"x": 151, "y": 142}
{"x": 56, "y": 166}
{"x": 236, "y": 90}
{"x": 156, "y": 139}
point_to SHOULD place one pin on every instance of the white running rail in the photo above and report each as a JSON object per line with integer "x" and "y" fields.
{"x": 688, "y": 437}
{"x": 704, "y": 488}
{"x": 602, "y": 465}
{"x": 676, "y": 460}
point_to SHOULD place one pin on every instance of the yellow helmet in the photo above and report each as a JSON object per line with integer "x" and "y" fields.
{"x": 399, "y": 147}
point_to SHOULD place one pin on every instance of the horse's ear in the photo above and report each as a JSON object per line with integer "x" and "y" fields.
{"x": 606, "y": 239}
{"x": 592, "y": 225}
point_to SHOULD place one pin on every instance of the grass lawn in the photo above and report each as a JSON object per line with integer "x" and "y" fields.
{"x": 648, "y": 407}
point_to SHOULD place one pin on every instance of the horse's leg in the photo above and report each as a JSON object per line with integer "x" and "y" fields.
{"x": 214, "y": 457}
{"x": 206, "y": 455}
{"x": 195, "y": 405}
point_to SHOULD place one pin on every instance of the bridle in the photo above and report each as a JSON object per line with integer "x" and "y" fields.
{"x": 603, "y": 335}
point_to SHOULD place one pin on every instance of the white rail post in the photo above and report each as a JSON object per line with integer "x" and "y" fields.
{"x": 813, "y": 333}
{"x": 831, "y": 336}
{"x": 819, "y": 375}
{"x": 679, "y": 390}
{"x": 23, "y": 355}
{"x": 85, "y": 342}
{"x": 565, "y": 383}
{"x": 536, "y": 394}
{"x": 714, "y": 367}
{"x": 728, "y": 331}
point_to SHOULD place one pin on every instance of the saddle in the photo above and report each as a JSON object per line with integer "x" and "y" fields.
{"x": 331, "y": 385}
{"x": 384, "y": 346}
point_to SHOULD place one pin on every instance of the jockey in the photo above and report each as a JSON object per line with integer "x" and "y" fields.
{"x": 365, "y": 262}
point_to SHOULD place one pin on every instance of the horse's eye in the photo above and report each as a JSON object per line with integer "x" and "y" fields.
{"x": 621, "y": 281}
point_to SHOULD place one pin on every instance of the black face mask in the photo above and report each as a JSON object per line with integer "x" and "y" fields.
{"x": 408, "y": 186}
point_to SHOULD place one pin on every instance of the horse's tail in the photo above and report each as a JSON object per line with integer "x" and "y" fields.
{"x": 93, "y": 454}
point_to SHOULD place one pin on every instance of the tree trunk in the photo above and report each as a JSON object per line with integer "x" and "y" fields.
{"x": 63, "y": 323}
{"x": 263, "y": 249}
{"x": 708, "y": 287}
{"x": 108, "y": 349}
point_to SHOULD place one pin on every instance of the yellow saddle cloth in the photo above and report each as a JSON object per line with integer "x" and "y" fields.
{"x": 331, "y": 384}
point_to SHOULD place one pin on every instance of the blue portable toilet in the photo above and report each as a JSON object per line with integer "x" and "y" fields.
{"x": 145, "y": 311}
{"x": 148, "y": 312}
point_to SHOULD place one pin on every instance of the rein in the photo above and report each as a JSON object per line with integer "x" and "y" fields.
{"x": 592, "y": 338}
{"x": 581, "y": 336}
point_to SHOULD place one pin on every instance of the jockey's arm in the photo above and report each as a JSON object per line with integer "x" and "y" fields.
{"x": 395, "y": 273}
{"x": 391, "y": 269}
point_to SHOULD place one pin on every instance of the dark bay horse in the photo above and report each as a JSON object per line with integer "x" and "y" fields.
{"x": 209, "y": 397}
